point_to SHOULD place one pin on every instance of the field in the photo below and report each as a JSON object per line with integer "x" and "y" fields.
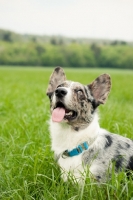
{"x": 27, "y": 167}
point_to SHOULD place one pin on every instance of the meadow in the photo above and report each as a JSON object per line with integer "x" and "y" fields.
{"x": 27, "y": 167}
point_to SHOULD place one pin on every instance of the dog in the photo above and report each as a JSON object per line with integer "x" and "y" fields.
{"x": 78, "y": 141}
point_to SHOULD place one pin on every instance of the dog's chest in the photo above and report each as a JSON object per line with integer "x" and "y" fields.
{"x": 64, "y": 139}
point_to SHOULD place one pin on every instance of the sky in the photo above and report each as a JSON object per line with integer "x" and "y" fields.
{"x": 100, "y": 19}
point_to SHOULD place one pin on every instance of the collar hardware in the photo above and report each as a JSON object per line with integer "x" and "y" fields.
{"x": 76, "y": 151}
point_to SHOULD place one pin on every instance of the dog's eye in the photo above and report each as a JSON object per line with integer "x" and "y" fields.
{"x": 80, "y": 92}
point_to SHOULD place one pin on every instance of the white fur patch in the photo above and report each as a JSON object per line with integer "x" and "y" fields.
{"x": 64, "y": 138}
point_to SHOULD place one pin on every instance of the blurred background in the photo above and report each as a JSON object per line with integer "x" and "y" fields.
{"x": 69, "y": 33}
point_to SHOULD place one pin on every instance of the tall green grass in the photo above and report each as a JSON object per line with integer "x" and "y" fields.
{"x": 27, "y": 168}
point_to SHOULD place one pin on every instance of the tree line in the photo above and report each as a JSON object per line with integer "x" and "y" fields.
{"x": 52, "y": 51}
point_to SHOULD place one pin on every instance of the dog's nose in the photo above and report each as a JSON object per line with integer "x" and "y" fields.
{"x": 60, "y": 92}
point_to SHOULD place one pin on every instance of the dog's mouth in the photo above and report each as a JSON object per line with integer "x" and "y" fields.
{"x": 60, "y": 113}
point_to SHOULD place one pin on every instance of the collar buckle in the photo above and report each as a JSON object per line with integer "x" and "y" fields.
{"x": 65, "y": 154}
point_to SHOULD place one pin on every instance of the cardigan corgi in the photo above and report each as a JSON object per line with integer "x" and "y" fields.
{"x": 78, "y": 142}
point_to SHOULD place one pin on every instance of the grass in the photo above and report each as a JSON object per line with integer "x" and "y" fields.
{"x": 27, "y": 168}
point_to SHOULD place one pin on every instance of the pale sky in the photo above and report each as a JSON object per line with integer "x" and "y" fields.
{"x": 105, "y": 19}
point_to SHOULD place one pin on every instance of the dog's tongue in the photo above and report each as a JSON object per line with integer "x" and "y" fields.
{"x": 58, "y": 114}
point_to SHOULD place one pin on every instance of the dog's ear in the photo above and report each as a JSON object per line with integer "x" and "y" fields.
{"x": 57, "y": 77}
{"x": 100, "y": 88}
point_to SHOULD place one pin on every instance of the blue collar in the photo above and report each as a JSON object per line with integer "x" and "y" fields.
{"x": 76, "y": 151}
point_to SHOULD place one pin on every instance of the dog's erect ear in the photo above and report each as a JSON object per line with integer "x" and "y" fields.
{"x": 100, "y": 88}
{"x": 57, "y": 77}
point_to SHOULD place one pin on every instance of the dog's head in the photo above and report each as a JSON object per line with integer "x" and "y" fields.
{"x": 73, "y": 102}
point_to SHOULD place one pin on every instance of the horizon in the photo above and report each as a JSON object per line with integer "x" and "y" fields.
{"x": 67, "y": 37}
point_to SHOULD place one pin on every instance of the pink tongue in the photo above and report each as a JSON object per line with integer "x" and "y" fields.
{"x": 58, "y": 114}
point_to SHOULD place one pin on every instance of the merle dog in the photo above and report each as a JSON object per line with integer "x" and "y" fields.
{"x": 77, "y": 139}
